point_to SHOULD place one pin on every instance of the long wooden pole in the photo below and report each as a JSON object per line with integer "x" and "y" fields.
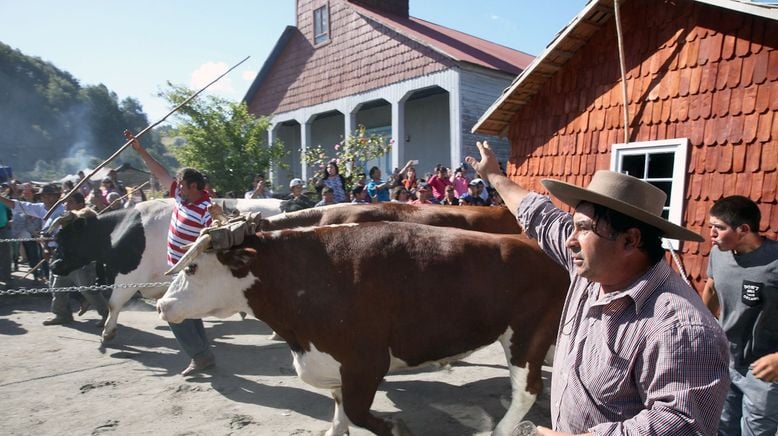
{"x": 138, "y": 136}
{"x": 622, "y": 68}
{"x": 132, "y": 191}
{"x": 32, "y": 270}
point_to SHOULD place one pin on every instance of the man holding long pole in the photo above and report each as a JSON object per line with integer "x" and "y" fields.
{"x": 190, "y": 215}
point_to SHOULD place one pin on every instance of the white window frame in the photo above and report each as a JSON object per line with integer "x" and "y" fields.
{"x": 679, "y": 147}
{"x": 324, "y": 35}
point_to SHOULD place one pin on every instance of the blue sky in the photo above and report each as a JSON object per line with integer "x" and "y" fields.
{"x": 135, "y": 48}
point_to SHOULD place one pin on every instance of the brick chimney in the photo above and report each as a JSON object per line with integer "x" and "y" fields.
{"x": 394, "y": 7}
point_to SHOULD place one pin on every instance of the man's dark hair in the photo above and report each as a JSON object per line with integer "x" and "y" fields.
{"x": 651, "y": 237}
{"x": 357, "y": 189}
{"x": 191, "y": 175}
{"x": 78, "y": 198}
{"x": 737, "y": 210}
{"x": 373, "y": 170}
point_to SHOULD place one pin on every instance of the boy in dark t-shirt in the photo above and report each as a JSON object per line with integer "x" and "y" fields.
{"x": 743, "y": 285}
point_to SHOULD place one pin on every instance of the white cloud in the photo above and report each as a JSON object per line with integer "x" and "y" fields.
{"x": 494, "y": 17}
{"x": 249, "y": 75}
{"x": 208, "y": 71}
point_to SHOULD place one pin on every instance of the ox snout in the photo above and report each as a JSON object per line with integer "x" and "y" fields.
{"x": 166, "y": 308}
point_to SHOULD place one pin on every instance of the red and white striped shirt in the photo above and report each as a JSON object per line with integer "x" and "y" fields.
{"x": 185, "y": 224}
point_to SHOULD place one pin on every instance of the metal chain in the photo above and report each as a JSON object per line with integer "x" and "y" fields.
{"x": 26, "y": 291}
{"x": 26, "y": 240}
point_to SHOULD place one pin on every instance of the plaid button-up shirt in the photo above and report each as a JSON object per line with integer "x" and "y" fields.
{"x": 646, "y": 360}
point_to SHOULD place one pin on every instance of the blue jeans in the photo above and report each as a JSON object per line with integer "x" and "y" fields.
{"x": 190, "y": 334}
{"x": 751, "y": 406}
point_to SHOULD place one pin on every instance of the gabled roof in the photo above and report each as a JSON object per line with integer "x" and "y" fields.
{"x": 286, "y": 35}
{"x": 456, "y": 45}
{"x": 595, "y": 15}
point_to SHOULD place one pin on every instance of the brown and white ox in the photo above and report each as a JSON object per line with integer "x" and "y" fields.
{"x": 356, "y": 301}
{"x": 483, "y": 219}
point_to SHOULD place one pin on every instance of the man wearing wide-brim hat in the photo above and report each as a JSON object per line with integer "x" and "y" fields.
{"x": 637, "y": 352}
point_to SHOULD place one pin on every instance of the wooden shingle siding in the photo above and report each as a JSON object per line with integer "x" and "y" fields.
{"x": 361, "y": 55}
{"x": 694, "y": 71}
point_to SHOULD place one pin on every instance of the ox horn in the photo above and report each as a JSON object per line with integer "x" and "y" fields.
{"x": 201, "y": 244}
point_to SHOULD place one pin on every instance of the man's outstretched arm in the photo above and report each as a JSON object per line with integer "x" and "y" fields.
{"x": 489, "y": 169}
{"x": 156, "y": 168}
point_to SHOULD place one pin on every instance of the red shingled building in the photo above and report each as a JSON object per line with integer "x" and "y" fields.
{"x": 702, "y": 80}
{"x": 350, "y": 62}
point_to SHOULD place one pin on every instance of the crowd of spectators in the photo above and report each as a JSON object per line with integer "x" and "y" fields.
{"x": 110, "y": 194}
{"x": 439, "y": 186}
{"x": 404, "y": 185}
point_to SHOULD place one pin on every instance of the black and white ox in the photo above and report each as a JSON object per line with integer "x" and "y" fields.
{"x": 131, "y": 243}
{"x": 355, "y": 301}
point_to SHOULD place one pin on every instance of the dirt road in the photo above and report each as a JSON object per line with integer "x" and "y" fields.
{"x": 58, "y": 380}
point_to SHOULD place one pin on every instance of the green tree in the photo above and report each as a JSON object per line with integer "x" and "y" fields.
{"x": 47, "y": 116}
{"x": 222, "y": 139}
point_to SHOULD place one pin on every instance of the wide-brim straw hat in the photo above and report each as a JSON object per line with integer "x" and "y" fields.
{"x": 625, "y": 194}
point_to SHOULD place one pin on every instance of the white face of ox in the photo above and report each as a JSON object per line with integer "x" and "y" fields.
{"x": 204, "y": 288}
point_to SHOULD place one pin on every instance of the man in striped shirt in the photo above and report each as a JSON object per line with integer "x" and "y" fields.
{"x": 637, "y": 352}
{"x": 190, "y": 215}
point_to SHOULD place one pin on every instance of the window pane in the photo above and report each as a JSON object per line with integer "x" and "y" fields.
{"x": 660, "y": 165}
{"x": 667, "y": 187}
{"x": 634, "y": 165}
{"x": 320, "y": 25}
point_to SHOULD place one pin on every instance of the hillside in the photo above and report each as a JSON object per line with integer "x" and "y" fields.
{"x": 51, "y": 125}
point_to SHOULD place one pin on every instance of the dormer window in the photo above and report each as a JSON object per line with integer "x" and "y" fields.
{"x": 321, "y": 25}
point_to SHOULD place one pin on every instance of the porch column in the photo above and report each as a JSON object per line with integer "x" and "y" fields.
{"x": 271, "y": 136}
{"x": 455, "y": 125}
{"x": 398, "y": 133}
{"x": 305, "y": 141}
{"x": 349, "y": 121}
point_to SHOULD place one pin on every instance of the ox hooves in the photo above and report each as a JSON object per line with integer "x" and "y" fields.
{"x": 107, "y": 336}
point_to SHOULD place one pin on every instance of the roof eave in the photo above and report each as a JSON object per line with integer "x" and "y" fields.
{"x": 761, "y": 10}
{"x": 365, "y": 13}
{"x": 769, "y": 11}
{"x": 370, "y": 15}
{"x": 286, "y": 35}
{"x": 536, "y": 64}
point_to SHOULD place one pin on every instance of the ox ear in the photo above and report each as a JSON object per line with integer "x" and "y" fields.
{"x": 238, "y": 259}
